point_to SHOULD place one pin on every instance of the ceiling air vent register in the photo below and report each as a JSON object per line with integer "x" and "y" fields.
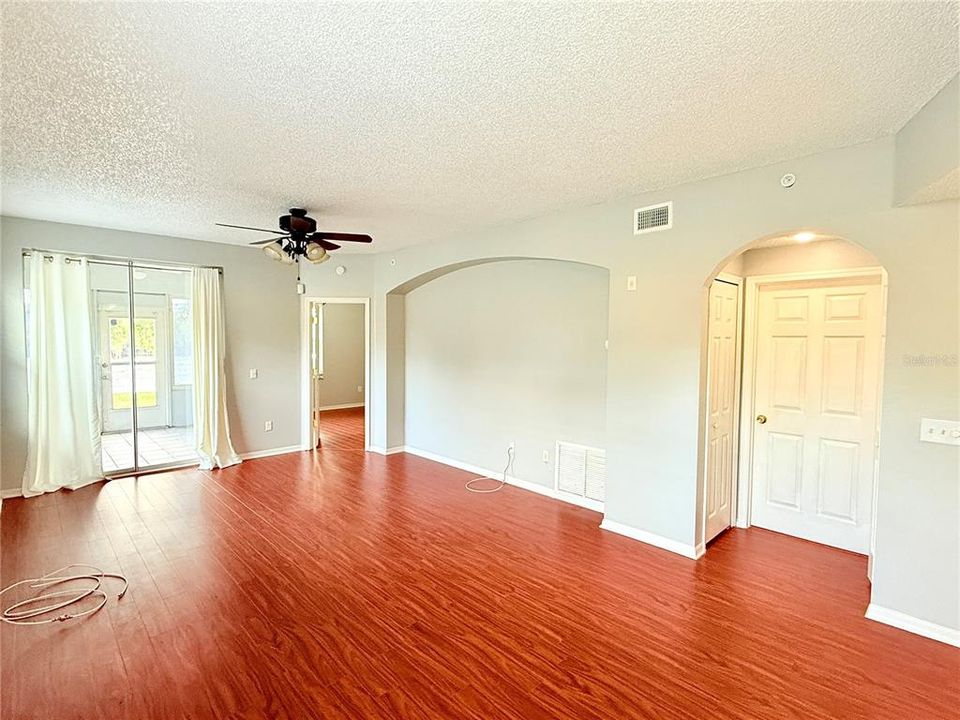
{"x": 653, "y": 218}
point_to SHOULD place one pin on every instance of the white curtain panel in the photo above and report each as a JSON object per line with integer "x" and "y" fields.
{"x": 63, "y": 435}
{"x": 209, "y": 390}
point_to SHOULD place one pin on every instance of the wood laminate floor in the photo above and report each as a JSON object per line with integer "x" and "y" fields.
{"x": 342, "y": 429}
{"x": 341, "y": 584}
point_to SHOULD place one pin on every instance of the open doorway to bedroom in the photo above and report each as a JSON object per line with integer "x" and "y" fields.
{"x": 335, "y": 373}
{"x": 793, "y": 352}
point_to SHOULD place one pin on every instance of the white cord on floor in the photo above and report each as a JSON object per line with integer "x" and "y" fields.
{"x": 500, "y": 483}
{"x": 17, "y": 616}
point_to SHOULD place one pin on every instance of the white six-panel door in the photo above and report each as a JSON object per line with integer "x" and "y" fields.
{"x": 723, "y": 338}
{"x": 818, "y": 355}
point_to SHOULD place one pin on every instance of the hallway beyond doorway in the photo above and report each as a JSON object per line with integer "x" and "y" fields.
{"x": 341, "y": 429}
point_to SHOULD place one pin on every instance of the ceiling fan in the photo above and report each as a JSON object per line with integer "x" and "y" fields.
{"x": 299, "y": 238}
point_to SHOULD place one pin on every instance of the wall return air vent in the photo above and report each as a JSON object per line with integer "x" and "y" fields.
{"x": 653, "y": 218}
{"x": 581, "y": 474}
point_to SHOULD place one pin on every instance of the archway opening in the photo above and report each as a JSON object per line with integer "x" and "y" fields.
{"x": 790, "y": 390}
{"x": 498, "y": 355}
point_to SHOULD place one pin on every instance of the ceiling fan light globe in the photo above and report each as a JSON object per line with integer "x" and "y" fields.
{"x": 316, "y": 253}
{"x": 274, "y": 251}
{"x": 287, "y": 259}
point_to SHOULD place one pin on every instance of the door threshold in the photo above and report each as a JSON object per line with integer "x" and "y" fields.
{"x": 116, "y": 474}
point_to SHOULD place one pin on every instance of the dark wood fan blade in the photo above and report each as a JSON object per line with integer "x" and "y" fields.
{"x": 244, "y": 227}
{"x": 269, "y": 240}
{"x": 325, "y": 244}
{"x": 343, "y": 237}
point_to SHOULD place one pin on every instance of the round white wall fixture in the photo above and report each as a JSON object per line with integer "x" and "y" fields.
{"x": 788, "y": 180}
{"x": 341, "y": 269}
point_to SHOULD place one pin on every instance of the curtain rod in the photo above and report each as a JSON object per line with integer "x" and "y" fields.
{"x": 121, "y": 262}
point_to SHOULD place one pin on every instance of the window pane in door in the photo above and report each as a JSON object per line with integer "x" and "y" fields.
{"x": 120, "y": 386}
{"x": 121, "y": 389}
{"x": 146, "y": 385}
{"x": 119, "y": 339}
{"x": 146, "y": 339}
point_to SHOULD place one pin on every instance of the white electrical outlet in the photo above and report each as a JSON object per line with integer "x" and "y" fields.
{"x": 359, "y": 388}
{"x": 268, "y": 426}
{"x": 546, "y": 456}
{"x": 944, "y": 432}
{"x": 253, "y": 373}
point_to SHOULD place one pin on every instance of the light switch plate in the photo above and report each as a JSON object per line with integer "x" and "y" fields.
{"x": 631, "y": 282}
{"x": 945, "y": 432}
{"x": 268, "y": 426}
{"x": 253, "y": 373}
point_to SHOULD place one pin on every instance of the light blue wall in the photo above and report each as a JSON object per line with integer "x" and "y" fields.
{"x": 262, "y": 308}
{"x": 928, "y": 150}
{"x": 653, "y": 372}
{"x": 507, "y": 352}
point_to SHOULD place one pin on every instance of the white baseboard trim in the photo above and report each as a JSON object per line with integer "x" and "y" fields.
{"x": 902, "y": 621}
{"x": 583, "y": 502}
{"x": 385, "y": 451}
{"x": 664, "y": 543}
{"x": 268, "y": 453}
{"x": 345, "y": 406}
{"x": 526, "y": 485}
{"x": 11, "y": 493}
{"x": 459, "y": 464}
{"x": 510, "y": 479}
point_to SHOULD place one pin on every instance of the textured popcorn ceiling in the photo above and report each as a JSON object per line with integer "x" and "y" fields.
{"x": 416, "y": 121}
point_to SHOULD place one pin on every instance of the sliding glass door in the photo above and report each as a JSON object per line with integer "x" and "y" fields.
{"x": 144, "y": 352}
{"x": 110, "y": 285}
{"x": 163, "y": 360}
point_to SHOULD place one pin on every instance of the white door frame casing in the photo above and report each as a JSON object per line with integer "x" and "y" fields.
{"x": 305, "y": 382}
{"x": 748, "y": 390}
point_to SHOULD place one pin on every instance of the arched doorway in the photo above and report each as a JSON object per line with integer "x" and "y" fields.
{"x": 792, "y": 365}
{"x": 394, "y": 370}
{"x": 502, "y": 360}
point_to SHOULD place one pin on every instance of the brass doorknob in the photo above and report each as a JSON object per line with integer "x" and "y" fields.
{"x": 761, "y": 419}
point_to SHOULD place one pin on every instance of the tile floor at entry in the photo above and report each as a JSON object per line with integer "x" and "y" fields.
{"x": 156, "y": 446}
